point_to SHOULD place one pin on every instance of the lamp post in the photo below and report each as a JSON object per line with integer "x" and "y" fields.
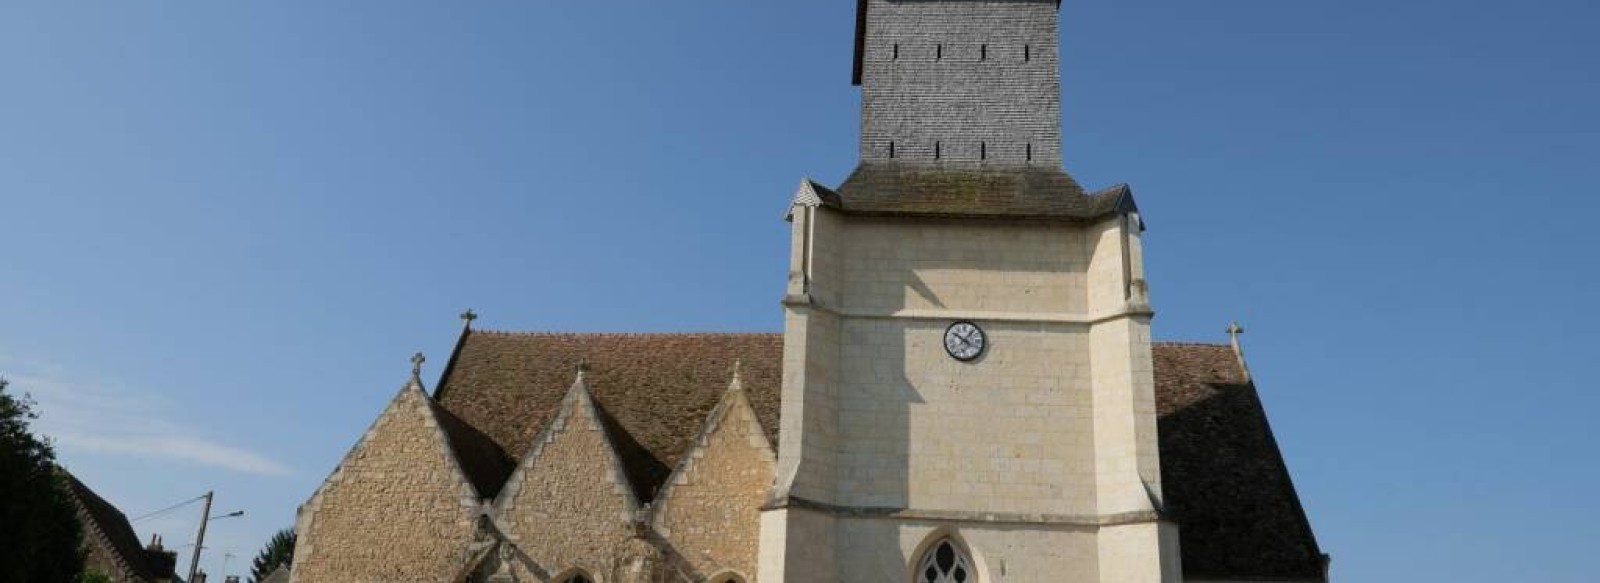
{"x": 200, "y": 538}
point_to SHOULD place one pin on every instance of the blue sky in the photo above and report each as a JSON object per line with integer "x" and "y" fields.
{"x": 227, "y": 226}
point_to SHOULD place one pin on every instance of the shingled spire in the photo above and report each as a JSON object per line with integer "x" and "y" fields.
{"x": 974, "y": 82}
{"x": 961, "y": 114}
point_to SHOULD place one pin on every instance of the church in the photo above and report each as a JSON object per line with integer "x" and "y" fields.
{"x": 965, "y": 388}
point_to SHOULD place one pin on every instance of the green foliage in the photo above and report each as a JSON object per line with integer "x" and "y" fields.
{"x": 41, "y": 538}
{"x": 92, "y": 575}
{"x": 279, "y": 551}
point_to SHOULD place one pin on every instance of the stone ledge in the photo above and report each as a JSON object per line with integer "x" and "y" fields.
{"x": 999, "y": 518}
{"x": 1130, "y": 311}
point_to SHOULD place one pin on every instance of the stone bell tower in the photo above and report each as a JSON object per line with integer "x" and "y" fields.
{"x": 967, "y": 384}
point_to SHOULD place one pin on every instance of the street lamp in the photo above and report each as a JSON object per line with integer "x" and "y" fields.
{"x": 200, "y": 539}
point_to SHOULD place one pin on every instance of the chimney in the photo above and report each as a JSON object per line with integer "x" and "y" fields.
{"x": 231, "y": 579}
{"x": 199, "y": 577}
{"x": 163, "y": 563}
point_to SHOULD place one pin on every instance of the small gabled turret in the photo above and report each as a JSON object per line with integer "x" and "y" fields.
{"x": 401, "y": 484}
{"x": 569, "y": 501}
{"x": 710, "y": 507}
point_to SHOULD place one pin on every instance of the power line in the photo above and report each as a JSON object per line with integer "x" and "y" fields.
{"x": 169, "y": 508}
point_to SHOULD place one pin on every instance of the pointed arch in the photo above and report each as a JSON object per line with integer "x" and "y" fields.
{"x": 728, "y": 577}
{"x": 574, "y": 575}
{"x": 950, "y": 558}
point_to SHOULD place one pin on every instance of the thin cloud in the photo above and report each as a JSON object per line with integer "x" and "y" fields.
{"x": 98, "y": 418}
{"x": 179, "y": 448}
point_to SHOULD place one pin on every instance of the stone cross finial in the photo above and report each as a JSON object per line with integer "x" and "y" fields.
{"x": 1234, "y": 330}
{"x": 468, "y": 316}
{"x": 416, "y": 364}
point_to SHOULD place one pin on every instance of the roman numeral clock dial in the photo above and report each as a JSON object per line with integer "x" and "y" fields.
{"x": 964, "y": 341}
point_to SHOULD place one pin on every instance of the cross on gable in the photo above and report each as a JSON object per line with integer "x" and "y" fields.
{"x": 416, "y": 364}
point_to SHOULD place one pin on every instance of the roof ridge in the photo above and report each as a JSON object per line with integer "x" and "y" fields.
{"x": 1189, "y": 343}
{"x": 618, "y": 334}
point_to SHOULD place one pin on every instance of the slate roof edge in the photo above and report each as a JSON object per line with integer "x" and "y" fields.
{"x": 1301, "y": 520}
{"x": 861, "y": 43}
{"x": 1282, "y": 466}
{"x": 1124, "y": 202}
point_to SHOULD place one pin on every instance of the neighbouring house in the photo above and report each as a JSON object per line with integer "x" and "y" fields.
{"x": 110, "y": 545}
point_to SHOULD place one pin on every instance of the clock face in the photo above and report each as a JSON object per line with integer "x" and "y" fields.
{"x": 964, "y": 341}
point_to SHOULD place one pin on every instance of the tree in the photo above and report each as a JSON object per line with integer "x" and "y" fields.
{"x": 41, "y": 540}
{"x": 279, "y": 551}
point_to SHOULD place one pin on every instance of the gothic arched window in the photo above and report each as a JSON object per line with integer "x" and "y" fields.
{"x": 945, "y": 563}
{"x": 577, "y": 578}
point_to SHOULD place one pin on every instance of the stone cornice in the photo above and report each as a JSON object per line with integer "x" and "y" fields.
{"x": 809, "y": 302}
{"x": 1012, "y": 518}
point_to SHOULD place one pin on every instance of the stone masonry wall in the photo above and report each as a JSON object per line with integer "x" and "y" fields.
{"x": 397, "y": 509}
{"x": 567, "y": 505}
{"x": 711, "y": 512}
{"x": 1009, "y": 432}
{"x": 976, "y": 267}
{"x": 877, "y": 551}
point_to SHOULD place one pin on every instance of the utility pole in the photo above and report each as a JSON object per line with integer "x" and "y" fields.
{"x": 200, "y": 539}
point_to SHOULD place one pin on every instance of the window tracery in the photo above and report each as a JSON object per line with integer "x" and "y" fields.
{"x": 945, "y": 563}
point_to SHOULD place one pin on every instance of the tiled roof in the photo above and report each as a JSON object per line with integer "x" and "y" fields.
{"x": 106, "y": 529}
{"x": 970, "y": 190}
{"x": 482, "y": 460}
{"x": 654, "y": 390}
{"x": 1224, "y": 479}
